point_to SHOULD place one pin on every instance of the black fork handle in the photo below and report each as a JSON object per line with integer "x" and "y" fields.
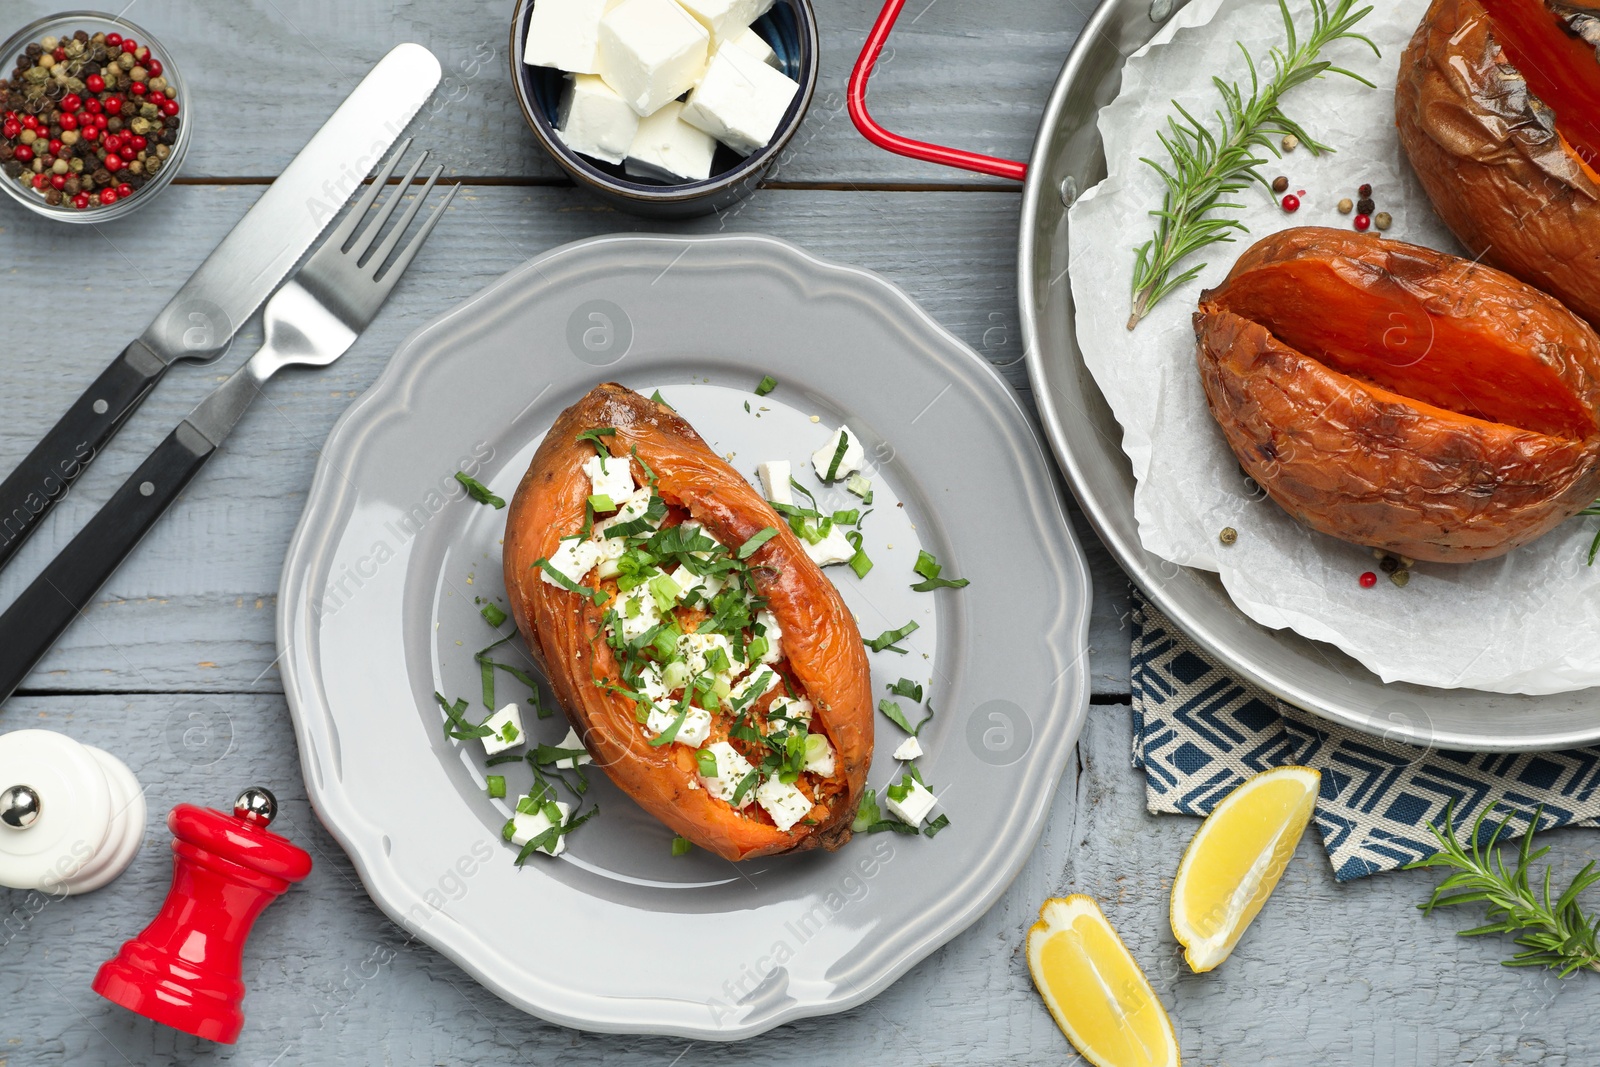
{"x": 58, "y": 460}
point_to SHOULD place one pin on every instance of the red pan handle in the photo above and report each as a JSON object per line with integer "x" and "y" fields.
{"x": 905, "y": 146}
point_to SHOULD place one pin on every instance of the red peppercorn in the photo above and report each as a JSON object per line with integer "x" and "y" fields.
{"x": 127, "y": 152}
{"x": 113, "y": 104}
{"x": 38, "y": 181}
{"x": 59, "y": 55}
{"x": 12, "y": 129}
{"x": 138, "y": 88}
{"x": 108, "y": 196}
{"x": 155, "y": 68}
{"x": 24, "y": 154}
{"x": 124, "y": 191}
{"x": 113, "y": 40}
{"x": 80, "y": 201}
{"x": 31, "y": 121}
{"x": 1291, "y": 203}
{"x": 91, "y": 133}
{"x": 94, "y": 107}
{"x": 130, "y": 46}
{"x": 170, "y": 108}
{"x": 71, "y": 102}
{"x": 139, "y": 143}
{"x": 55, "y": 147}
{"x": 1368, "y": 580}
{"x": 69, "y": 122}
{"x": 94, "y": 83}
{"x": 58, "y": 181}
{"x": 113, "y": 162}
{"x": 1363, "y": 221}
{"x": 100, "y": 122}
{"x": 158, "y": 99}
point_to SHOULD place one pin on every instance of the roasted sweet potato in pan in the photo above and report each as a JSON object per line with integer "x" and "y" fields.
{"x": 711, "y": 669}
{"x": 1402, "y": 398}
{"x": 1498, "y": 105}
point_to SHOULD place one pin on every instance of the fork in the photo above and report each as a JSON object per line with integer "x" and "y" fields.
{"x": 312, "y": 320}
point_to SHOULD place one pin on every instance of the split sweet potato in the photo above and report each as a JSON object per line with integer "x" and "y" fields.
{"x": 1498, "y": 108}
{"x": 822, "y": 661}
{"x": 1401, "y": 398}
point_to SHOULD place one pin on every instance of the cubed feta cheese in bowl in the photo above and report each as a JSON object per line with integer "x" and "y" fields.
{"x": 651, "y": 52}
{"x": 668, "y": 149}
{"x": 565, "y": 34}
{"x": 724, "y": 19}
{"x": 740, "y": 100}
{"x": 756, "y": 45}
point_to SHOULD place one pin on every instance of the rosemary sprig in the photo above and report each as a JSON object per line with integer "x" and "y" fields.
{"x": 1555, "y": 934}
{"x": 1205, "y": 167}
{"x": 1594, "y": 546}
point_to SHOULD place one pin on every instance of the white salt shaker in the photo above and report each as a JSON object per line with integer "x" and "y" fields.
{"x": 71, "y": 815}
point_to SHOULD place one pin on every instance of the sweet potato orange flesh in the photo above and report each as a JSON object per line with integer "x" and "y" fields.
{"x": 1560, "y": 68}
{"x": 1369, "y": 325}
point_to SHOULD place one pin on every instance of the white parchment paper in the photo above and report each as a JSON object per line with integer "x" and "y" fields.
{"x": 1528, "y": 622}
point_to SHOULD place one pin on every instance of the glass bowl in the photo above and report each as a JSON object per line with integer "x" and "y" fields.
{"x": 93, "y": 22}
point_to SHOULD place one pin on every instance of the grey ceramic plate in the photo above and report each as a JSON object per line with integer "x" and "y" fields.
{"x": 1068, "y": 159}
{"x": 377, "y": 611}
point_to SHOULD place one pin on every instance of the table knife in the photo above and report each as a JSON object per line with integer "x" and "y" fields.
{"x": 229, "y": 286}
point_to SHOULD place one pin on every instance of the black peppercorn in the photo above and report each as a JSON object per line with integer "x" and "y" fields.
{"x": 33, "y": 51}
{"x": 1388, "y": 565}
{"x": 53, "y": 197}
{"x": 1366, "y": 189}
{"x": 1365, "y": 205}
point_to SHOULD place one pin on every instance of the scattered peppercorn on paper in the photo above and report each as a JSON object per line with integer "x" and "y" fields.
{"x": 1520, "y": 624}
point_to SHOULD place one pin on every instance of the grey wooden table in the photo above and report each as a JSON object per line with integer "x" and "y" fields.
{"x": 183, "y": 635}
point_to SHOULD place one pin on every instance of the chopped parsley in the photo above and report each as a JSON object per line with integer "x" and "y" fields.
{"x": 567, "y": 583}
{"x": 659, "y": 399}
{"x": 596, "y": 438}
{"x": 756, "y": 540}
{"x": 838, "y": 456}
{"x": 935, "y": 826}
{"x": 456, "y": 725}
{"x": 898, "y": 717}
{"x": 887, "y": 639}
{"x": 766, "y": 385}
{"x": 478, "y": 491}
{"x": 905, "y": 687}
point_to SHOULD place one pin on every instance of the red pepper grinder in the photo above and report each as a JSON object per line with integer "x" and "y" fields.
{"x": 184, "y": 969}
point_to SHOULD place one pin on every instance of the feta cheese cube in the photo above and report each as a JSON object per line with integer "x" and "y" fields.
{"x": 574, "y": 559}
{"x": 849, "y": 463}
{"x": 650, "y": 683}
{"x": 740, "y": 101}
{"x": 694, "y": 731}
{"x": 506, "y": 725}
{"x": 668, "y": 149}
{"x": 819, "y": 756}
{"x": 755, "y": 685}
{"x": 781, "y": 800}
{"x": 697, "y": 649}
{"x": 709, "y": 585}
{"x": 773, "y": 633}
{"x": 731, "y": 767}
{"x": 610, "y": 476}
{"x": 638, "y": 611}
{"x": 651, "y": 52}
{"x": 632, "y": 508}
{"x": 607, "y": 550}
{"x": 527, "y": 826}
{"x": 775, "y": 475}
{"x": 787, "y": 710}
{"x": 597, "y": 122}
{"x": 565, "y": 34}
{"x": 572, "y": 740}
{"x": 756, "y": 45}
{"x": 917, "y": 804}
{"x": 835, "y": 548}
{"x": 726, "y": 18}
{"x": 909, "y": 750}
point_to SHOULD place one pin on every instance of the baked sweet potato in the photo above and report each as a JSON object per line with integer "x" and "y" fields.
{"x": 1402, "y": 398}
{"x": 1498, "y": 105}
{"x": 662, "y": 619}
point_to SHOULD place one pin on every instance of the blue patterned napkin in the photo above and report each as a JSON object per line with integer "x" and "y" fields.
{"x": 1198, "y": 732}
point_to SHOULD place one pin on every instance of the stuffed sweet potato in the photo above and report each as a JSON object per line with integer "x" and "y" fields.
{"x": 1498, "y": 106}
{"x": 710, "y": 668}
{"x": 1401, "y": 398}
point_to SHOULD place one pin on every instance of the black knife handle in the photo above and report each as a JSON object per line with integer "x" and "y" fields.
{"x": 31, "y": 625}
{"x": 67, "y": 450}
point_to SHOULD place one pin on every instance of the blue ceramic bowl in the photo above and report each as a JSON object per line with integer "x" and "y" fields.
{"x": 790, "y": 28}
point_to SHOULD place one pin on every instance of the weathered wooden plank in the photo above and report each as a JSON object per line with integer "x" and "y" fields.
{"x": 265, "y": 73}
{"x": 183, "y": 614}
{"x": 1340, "y": 974}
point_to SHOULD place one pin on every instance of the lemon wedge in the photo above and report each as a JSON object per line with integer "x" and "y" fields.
{"x": 1095, "y": 990}
{"x": 1236, "y": 859}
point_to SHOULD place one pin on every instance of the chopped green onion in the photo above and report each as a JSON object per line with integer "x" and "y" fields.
{"x": 756, "y": 540}
{"x": 478, "y": 491}
{"x": 664, "y": 591}
{"x": 747, "y": 407}
{"x": 928, "y": 567}
{"x": 847, "y": 518}
{"x": 767, "y": 385}
{"x": 486, "y": 675}
{"x": 496, "y": 784}
{"x": 508, "y": 829}
{"x": 867, "y": 811}
{"x": 493, "y": 615}
{"x": 935, "y": 826}
{"x": 861, "y": 563}
{"x": 926, "y": 564}
{"x": 708, "y": 763}
{"x": 601, "y": 502}
{"x": 681, "y": 846}
{"x": 861, "y": 486}
{"x": 758, "y": 648}
{"x": 527, "y": 806}
{"x": 838, "y": 456}
{"x": 887, "y": 639}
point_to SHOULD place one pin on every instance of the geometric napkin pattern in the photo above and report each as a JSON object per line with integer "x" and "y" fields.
{"x": 1199, "y": 731}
